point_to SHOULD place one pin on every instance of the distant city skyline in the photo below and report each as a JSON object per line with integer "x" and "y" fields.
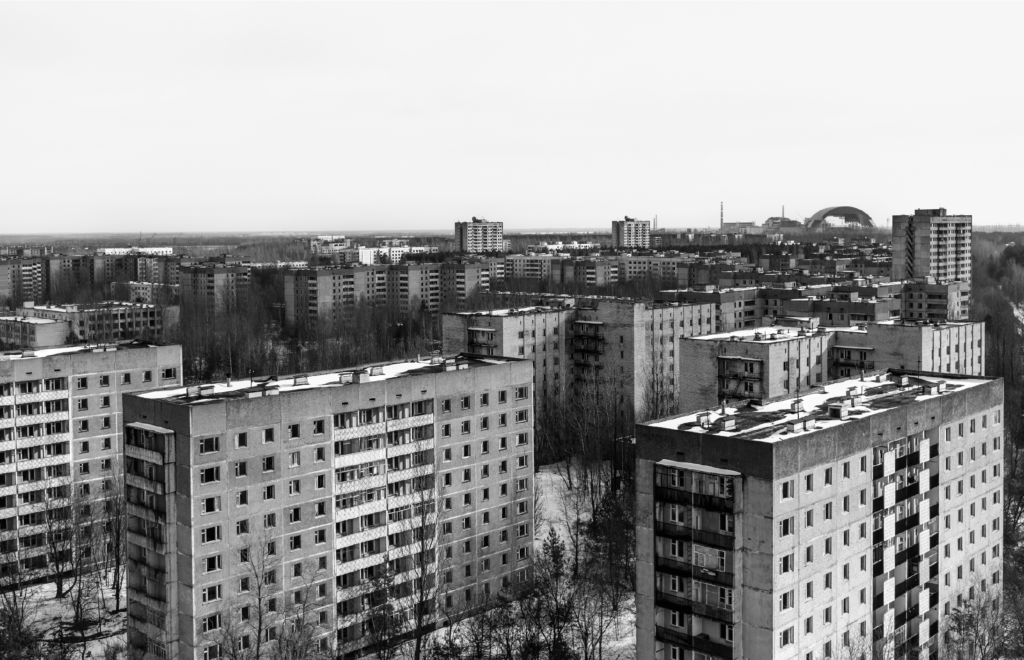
{"x": 333, "y": 117}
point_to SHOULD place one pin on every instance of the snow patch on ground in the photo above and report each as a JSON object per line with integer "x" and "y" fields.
{"x": 54, "y": 616}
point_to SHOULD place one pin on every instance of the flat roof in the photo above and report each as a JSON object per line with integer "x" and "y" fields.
{"x": 28, "y": 353}
{"x": 513, "y": 311}
{"x": 767, "y": 333}
{"x": 237, "y": 389}
{"x": 33, "y": 320}
{"x": 769, "y": 423}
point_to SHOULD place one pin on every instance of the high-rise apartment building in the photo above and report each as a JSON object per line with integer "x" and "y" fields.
{"x": 631, "y": 234}
{"x": 626, "y": 345}
{"x": 844, "y": 523}
{"x": 936, "y": 302}
{"x": 540, "y": 334}
{"x": 301, "y": 506}
{"x": 327, "y": 294}
{"x": 214, "y": 288}
{"x": 60, "y": 428}
{"x": 931, "y": 246}
{"x": 480, "y": 235}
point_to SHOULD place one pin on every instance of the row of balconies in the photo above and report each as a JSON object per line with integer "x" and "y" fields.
{"x": 700, "y": 500}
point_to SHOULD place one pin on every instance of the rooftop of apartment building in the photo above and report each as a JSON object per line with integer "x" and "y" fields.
{"x": 251, "y": 388}
{"x": 765, "y": 334}
{"x": 78, "y": 348}
{"x": 87, "y": 307}
{"x": 822, "y": 407}
{"x": 512, "y": 311}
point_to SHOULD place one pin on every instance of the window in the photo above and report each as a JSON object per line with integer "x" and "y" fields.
{"x": 522, "y": 416}
{"x": 82, "y": 383}
{"x": 242, "y": 498}
{"x": 209, "y": 475}
{"x": 786, "y": 601}
{"x": 809, "y": 483}
{"x": 522, "y": 392}
{"x": 104, "y": 381}
{"x": 209, "y": 534}
{"x": 786, "y": 637}
{"x": 787, "y": 490}
{"x": 828, "y": 476}
{"x": 241, "y": 469}
{"x": 786, "y": 527}
{"x": 522, "y": 439}
{"x": 213, "y": 563}
{"x": 83, "y": 404}
{"x": 466, "y": 451}
{"x": 242, "y": 440}
{"x": 484, "y": 399}
{"x": 502, "y": 419}
{"x": 446, "y": 432}
{"x": 318, "y": 427}
{"x": 293, "y": 431}
{"x": 147, "y": 376}
{"x": 787, "y": 564}
{"x": 242, "y": 527}
{"x": 295, "y": 542}
{"x": 210, "y": 505}
{"x": 126, "y": 379}
{"x": 294, "y": 460}
{"x": 268, "y": 435}
{"x": 168, "y": 373}
{"x": 522, "y": 461}
{"x": 268, "y": 463}
{"x": 211, "y": 594}
{"x": 268, "y": 492}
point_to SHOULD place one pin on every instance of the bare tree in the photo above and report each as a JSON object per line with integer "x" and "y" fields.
{"x": 115, "y": 524}
{"x": 974, "y": 630}
{"x": 21, "y": 634}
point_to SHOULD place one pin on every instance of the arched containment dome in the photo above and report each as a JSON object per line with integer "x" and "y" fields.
{"x": 851, "y": 215}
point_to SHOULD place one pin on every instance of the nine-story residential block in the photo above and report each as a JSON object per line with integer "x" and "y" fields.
{"x": 820, "y": 526}
{"x": 317, "y": 500}
{"x": 60, "y": 429}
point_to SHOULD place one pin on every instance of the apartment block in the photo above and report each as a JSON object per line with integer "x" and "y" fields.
{"x": 843, "y": 523}
{"x": 931, "y": 245}
{"x": 539, "y": 334}
{"x": 214, "y": 288}
{"x": 630, "y": 234}
{"x": 480, "y": 235}
{"x": 336, "y": 492}
{"x": 947, "y": 348}
{"x": 60, "y": 428}
{"x": 948, "y": 301}
{"x": 326, "y": 294}
{"x": 103, "y": 322}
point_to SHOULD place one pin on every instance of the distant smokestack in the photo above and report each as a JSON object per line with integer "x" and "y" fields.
{"x": 721, "y": 215}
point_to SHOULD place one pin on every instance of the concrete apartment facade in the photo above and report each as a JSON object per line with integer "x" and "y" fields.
{"x": 479, "y": 235}
{"x": 948, "y": 301}
{"x": 338, "y": 483}
{"x": 631, "y": 234}
{"x": 774, "y": 362}
{"x": 539, "y": 334}
{"x": 327, "y": 294}
{"x": 837, "y": 524}
{"x": 932, "y": 246}
{"x": 213, "y": 288}
{"x": 60, "y": 426}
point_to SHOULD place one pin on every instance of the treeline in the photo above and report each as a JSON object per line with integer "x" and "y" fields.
{"x": 997, "y": 298}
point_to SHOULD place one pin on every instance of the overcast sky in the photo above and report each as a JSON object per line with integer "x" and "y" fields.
{"x": 333, "y": 117}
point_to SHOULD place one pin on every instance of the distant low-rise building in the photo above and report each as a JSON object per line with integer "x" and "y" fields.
{"x": 103, "y": 322}
{"x": 28, "y": 332}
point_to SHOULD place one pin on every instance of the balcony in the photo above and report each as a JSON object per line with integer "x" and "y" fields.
{"x": 148, "y": 455}
{"x": 713, "y": 539}
{"x": 687, "y": 606}
{"x": 867, "y": 365}
{"x": 689, "y": 498}
{"x": 696, "y": 643}
{"x": 688, "y": 570}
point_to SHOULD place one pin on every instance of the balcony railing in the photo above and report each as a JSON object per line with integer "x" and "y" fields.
{"x": 700, "y": 500}
{"x": 694, "y": 642}
{"x": 704, "y": 537}
{"x": 686, "y": 606}
{"x": 686, "y": 569}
